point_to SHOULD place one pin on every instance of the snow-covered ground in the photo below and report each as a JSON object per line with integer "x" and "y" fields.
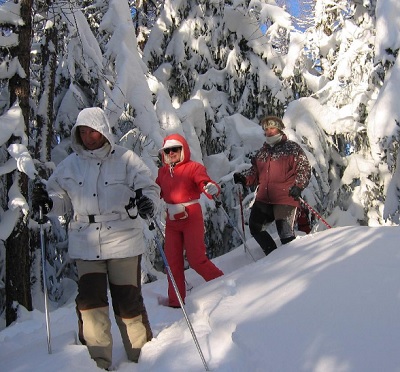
{"x": 326, "y": 302}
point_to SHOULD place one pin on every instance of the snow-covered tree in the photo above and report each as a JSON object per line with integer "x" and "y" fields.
{"x": 337, "y": 67}
{"x": 354, "y": 60}
{"x": 15, "y": 70}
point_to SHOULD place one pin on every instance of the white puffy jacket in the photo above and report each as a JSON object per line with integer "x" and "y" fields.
{"x": 98, "y": 185}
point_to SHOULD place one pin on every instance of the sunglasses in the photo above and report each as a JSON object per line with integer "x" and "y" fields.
{"x": 172, "y": 149}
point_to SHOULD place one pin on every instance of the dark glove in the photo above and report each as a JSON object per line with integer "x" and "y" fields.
{"x": 239, "y": 178}
{"x": 40, "y": 199}
{"x": 145, "y": 207}
{"x": 295, "y": 192}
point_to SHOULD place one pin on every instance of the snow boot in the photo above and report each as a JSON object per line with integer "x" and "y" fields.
{"x": 266, "y": 242}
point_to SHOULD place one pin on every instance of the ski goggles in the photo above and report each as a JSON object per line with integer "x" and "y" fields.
{"x": 172, "y": 149}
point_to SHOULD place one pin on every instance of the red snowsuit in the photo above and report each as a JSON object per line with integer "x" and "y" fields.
{"x": 181, "y": 185}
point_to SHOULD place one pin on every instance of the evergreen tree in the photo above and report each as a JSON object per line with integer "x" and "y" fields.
{"x": 18, "y": 258}
{"x": 345, "y": 79}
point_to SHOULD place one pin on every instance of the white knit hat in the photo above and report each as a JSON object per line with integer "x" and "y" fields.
{"x": 171, "y": 143}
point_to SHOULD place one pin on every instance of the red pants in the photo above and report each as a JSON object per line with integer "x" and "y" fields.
{"x": 187, "y": 234}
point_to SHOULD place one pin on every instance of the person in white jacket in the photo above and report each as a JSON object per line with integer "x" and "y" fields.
{"x": 107, "y": 187}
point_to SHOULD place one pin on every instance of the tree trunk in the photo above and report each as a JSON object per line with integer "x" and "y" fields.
{"x": 44, "y": 135}
{"x": 18, "y": 258}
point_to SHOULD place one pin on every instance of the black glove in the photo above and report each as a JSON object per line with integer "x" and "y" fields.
{"x": 295, "y": 192}
{"x": 41, "y": 198}
{"x": 239, "y": 178}
{"x": 145, "y": 207}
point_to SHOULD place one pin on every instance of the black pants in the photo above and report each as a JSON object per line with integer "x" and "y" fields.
{"x": 263, "y": 214}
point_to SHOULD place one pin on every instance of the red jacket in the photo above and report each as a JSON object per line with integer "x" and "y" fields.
{"x": 184, "y": 181}
{"x": 275, "y": 169}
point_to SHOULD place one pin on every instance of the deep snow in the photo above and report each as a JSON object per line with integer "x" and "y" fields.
{"x": 328, "y": 301}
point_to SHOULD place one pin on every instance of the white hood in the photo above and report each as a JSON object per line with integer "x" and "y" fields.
{"x": 93, "y": 117}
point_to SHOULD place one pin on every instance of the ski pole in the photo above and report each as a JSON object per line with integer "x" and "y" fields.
{"x": 246, "y": 248}
{"x": 46, "y": 308}
{"x": 315, "y": 212}
{"x": 189, "y": 286}
{"x": 153, "y": 223}
{"x": 241, "y": 211}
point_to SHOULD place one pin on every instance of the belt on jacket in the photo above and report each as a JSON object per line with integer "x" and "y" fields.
{"x": 92, "y": 218}
{"x": 178, "y": 211}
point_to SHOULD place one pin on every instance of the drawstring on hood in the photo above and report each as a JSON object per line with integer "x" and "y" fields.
{"x": 171, "y": 169}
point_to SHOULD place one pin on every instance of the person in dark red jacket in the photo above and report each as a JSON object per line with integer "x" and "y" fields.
{"x": 182, "y": 181}
{"x": 281, "y": 171}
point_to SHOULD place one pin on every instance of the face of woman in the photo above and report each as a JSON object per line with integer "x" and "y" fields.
{"x": 174, "y": 153}
{"x": 91, "y": 138}
{"x": 271, "y": 131}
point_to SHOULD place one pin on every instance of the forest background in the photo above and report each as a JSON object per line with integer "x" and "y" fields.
{"x": 209, "y": 70}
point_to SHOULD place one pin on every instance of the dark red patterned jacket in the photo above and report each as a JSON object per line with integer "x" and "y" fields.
{"x": 275, "y": 169}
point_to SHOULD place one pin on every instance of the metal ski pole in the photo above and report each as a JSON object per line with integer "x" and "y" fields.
{"x": 315, "y": 212}
{"x": 152, "y": 222}
{"x": 189, "y": 286}
{"x": 46, "y": 308}
{"x": 246, "y": 248}
{"x": 241, "y": 211}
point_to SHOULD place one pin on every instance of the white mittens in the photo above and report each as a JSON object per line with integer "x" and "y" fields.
{"x": 211, "y": 188}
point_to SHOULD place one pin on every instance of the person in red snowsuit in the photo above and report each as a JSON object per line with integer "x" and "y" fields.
{"x": 182, "y": 181}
